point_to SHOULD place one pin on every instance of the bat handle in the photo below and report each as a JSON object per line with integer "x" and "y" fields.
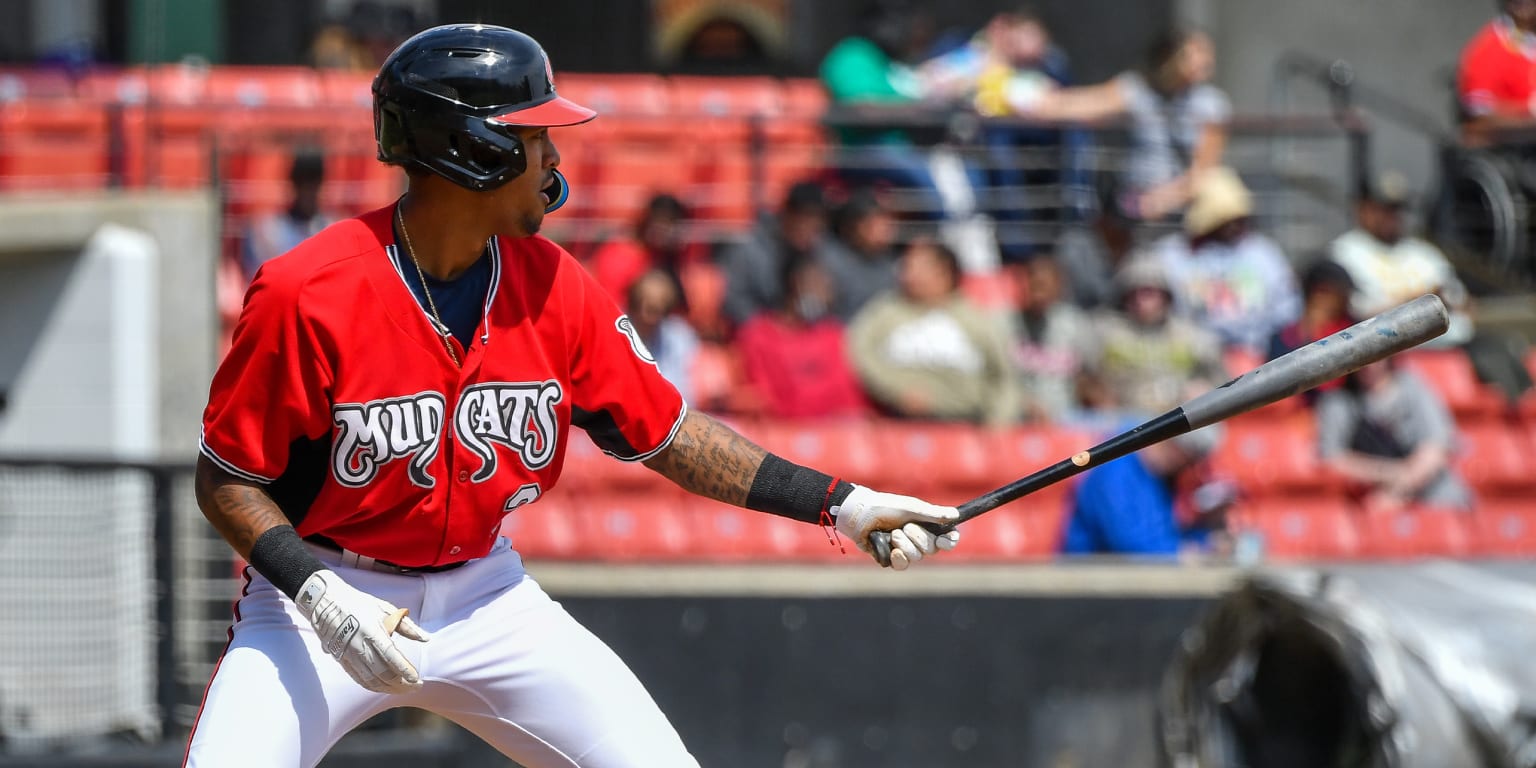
{"x": 880, "y": 541}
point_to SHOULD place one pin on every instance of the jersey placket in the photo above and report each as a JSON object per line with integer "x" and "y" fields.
{"x": 460, "y": 530}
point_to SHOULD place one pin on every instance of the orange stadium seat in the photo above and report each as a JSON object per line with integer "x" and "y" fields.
{"x": 1415, "y": 532}
{"x": 545, "y": 529}
{"x": 342, "y": 88}
{"x": 851, "y": 450}
{"x": 726, "y": 96}
{"x": 264, "y": 87}
{"x": 1027, "y": 529}
{"x": 1504, "y": 527}
{"x": 805, "y": 97}
{"x": 21, "y": 83}
{"x": 1302, "y": 528}
{"x": 1024, "y": 450}
{"x": 1449, "y": 372}
{"x": 731, "y": 533}
{"x": 618, "y": 95}
{"x": 930, "y": 458}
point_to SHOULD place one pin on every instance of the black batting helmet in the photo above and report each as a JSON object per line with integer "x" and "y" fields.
{"x": 445, "y": 98}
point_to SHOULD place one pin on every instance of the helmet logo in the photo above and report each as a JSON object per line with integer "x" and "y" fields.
{"x": 549, "y": 74}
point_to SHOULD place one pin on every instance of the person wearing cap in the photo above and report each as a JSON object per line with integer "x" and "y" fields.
{"x": 1143, "y": 504}
{"x": 1147, "y": 359}
{"x": 1224, "y": 275}
{"x": 1389, "y": 266}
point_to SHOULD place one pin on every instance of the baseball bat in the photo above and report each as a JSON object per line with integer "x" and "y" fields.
{"x": 1404, "y": 326}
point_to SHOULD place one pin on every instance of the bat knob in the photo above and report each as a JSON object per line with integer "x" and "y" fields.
{"x": 880, "y": 542}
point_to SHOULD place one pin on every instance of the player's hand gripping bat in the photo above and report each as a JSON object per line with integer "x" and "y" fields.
{"x": 1386, "y": 334}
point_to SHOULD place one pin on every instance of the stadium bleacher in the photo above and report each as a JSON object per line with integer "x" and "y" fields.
{"x": 730, "y": 147}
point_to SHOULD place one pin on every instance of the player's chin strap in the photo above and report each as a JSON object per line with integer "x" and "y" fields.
{"x": 559, "y": 191}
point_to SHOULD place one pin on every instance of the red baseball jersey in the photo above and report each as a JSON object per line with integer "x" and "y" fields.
{"x": 339, "y": 395}
{"x": 1498, "y": 72}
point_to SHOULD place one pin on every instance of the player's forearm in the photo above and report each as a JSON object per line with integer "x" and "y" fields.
{"x": 710, "y": 459}
{"x": 239, "y": 510}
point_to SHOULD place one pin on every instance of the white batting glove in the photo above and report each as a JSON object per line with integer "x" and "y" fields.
{"x": 353, "y": 627}
{"x": 866, "y": 511}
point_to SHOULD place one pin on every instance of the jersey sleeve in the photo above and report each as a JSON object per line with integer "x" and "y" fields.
{"x": 272, "y": 388}
{"x": 619, "y": 396}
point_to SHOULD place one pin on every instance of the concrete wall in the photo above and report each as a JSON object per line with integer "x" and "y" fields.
{"x": 1405, "y": 48}
{"x": 77, "y": 354}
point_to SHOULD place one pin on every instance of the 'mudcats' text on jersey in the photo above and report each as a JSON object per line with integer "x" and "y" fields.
{"x": 518, "y": 415}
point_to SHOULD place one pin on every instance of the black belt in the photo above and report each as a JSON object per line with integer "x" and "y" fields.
{"x": 356, "y": 560}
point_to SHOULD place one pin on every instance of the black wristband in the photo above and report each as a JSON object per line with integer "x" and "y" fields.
{"x": 789, "y": 490}
{"x": 280, "y": 555}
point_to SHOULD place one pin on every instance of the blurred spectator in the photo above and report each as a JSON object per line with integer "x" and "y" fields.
{"x": 652, "y": 307}
{"x": 864, "y": 265}
{"x": 1050, "y": 335}
{"x": 1146, "y": 359}
{"x": 1012, "y": 60}
{"x": 1389, "y": 267}
{"x": 926, "y": 352}
{"x": 795, "y": 357}
{"x": 1090, "y": 255}
{"x": 753, "y": 266}
{"x": 660, "y": 241}
{"x": 1391, "y": 436}
{"x": 271, "y": 235}
{"x": 361, "y": 40}
{"x": 1142, "y": 504}
{"x": 1496, "y": 81}
{"x": 869, "y": 70}
{"x": 1226, "y": 277}
{"x": 1325, "y": 291}
{"x": 1178, "y": 122}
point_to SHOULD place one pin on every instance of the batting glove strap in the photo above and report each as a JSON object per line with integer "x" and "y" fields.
{"x": 865, "y": 511}
{"x": 350, "y": 627}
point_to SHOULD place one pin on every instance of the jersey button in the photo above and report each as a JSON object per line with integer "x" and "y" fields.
{"x": 453, "y": 551}
{"x": 463, "y": 475}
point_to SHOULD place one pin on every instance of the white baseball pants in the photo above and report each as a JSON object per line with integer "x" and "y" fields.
{"x": 505, "y": 662}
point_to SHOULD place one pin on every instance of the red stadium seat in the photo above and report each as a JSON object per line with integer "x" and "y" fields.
{"x": 925, "y": 459}
{"x": 588, "y": 470}
{"x": 1415, "y": 532}
{"x": 1274, "y": 456}
{"x": 1024, "y": 450}
{"x": 734, "y": 534}
{"x": 1028, "y": 529}
{"x": 544, "y": 529}
{"x": 805, "y": 97}
{"x": 1302, "y": 528}
{"x": 1496, "y": 458}
{"x": 1505, "y": 528}
{"x": 256, "y": 87}
{"x": 851, "y": 450}
{"x": 17, "y": 84}
{"x": 54, "y": 145}
{"x": 1449, "y": 373}
{"x": 618, "y": 95}
{"x": 635, "y": 526}
{"x": 991, "y": 290}
{"x": 726, "y": 96}
{"x": 339, "y": 88}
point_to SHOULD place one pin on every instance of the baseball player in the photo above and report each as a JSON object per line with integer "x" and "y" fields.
{"x": 401, "y": 381}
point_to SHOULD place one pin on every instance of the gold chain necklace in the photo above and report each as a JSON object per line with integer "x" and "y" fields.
{"x": 437, "y": 320}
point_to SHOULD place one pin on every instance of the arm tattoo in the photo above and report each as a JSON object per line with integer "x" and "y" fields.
{"x": 241, "y": 511}
{"x": 710, "y": 459}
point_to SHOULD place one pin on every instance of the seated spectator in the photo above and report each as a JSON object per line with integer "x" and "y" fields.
{"x": 864, "y": 265}
{"x": 652, "y": 306}
{"x": 795, "y": 358}
{"x": 1226, "y": 277}
{"x": 1050, "y": 335}
{"x": 1389, "y": 267}
{"x": 1325, "y": 291}
{"x": 753, "y": 266}
{"x": 1147, "y": 359}
{"x": 1496, "y": 79}
{"x": 1391, "y": 437}
{"x": 925, "y": 352}
{"x": 1141, "y": 504}
{"x": 1178, "y": 122}
{"x": 868, "y": 70}
{"x": 273, "y": 235}
{"x": 660, "y": 241}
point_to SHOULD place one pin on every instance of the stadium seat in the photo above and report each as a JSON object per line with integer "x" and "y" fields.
{"x": 341, "y": 88}
{"x": 734, "y": 534}
{"x": 54, "y": 145}
{"x": 619, "y": 95}
{"x": 1415, "y": 532}
{"x": 851, "y": 450}
{"x": 1301, "y": 528}
{"x": 1496, "y": 458}
{"x": 991, "y": 290}
{"x": 588, "y": 470}
{"x": 260, "y": 87}
{"x": 21, "y": 83}
{"x": 1449, "y": 373}
{"x": 1027, "y": 529}
{"x": 922, "y": 459}
{"x": 714, "y": 97}
{"x": 1274, "y": 456}
{"x": 1504, "y": 528}
{"x": 635, "y": 526}
{"x": 1023, "y": 450}
{"x": 805, "y": 97}
{"x": 545, "y": 529}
